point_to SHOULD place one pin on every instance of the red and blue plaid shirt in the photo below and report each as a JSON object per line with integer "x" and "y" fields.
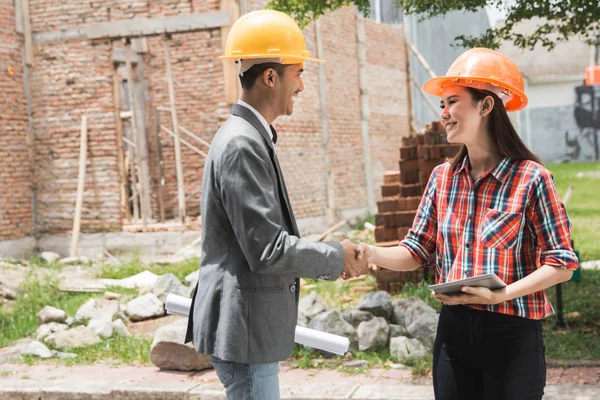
{"x": 511, "y": 221}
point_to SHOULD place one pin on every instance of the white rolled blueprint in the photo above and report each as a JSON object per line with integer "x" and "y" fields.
{"x": 179, "y": 305}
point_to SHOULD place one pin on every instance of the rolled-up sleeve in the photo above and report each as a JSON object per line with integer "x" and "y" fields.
{"x": 551, "y": 224}
{"x": 421, "y": 238}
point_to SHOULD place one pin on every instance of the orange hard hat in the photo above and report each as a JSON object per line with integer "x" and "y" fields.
{"x": 485, "y": 69}
{"x": 267, "y": 34}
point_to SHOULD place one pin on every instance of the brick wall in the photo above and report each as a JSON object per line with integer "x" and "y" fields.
{"x": 15, "y": 174}
{"x": 73, "y": 78}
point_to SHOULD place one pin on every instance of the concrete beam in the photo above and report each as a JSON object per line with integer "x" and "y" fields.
{"x": 138, "y": 27}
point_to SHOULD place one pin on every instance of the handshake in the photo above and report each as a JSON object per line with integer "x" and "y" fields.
{"x": 356, "y": 261}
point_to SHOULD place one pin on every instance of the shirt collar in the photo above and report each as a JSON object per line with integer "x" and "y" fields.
{"x": 500, "y": 171}
{"x": 259, "y": 116}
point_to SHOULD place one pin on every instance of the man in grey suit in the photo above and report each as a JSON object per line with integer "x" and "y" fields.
{"x": 245, "y": 306}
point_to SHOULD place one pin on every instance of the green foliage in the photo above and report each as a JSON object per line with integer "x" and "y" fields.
{"x": 558, "y": 20}
{"x": 135, "y": 266}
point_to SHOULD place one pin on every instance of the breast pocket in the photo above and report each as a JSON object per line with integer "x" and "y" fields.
{"x": 500, "y": 229}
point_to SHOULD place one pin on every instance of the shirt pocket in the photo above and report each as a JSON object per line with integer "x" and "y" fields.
{"x": 500, "y": 229}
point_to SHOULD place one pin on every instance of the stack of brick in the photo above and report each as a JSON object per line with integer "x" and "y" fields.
{"x": 401, "y": 194}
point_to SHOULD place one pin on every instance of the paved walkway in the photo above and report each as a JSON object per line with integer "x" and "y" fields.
{"x": 47, "y": 382}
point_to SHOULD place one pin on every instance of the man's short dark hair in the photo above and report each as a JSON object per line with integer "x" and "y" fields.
{"x": 249, "y": 78}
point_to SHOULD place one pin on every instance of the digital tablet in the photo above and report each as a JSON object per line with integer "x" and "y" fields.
{"x": 490, "y": 281}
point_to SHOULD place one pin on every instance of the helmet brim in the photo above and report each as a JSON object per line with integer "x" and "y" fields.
{"x": 287, "y": 59}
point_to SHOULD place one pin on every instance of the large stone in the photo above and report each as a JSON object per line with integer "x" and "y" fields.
{"x": 145, "y": 307}
{"x": 404, "y": 348}
{"x": 8, "y": 292}
{"x": 373, "y": 334}
{"x": 168, "y": 351}
{"x": 332, "y": 322}
{"x": 101, "y": 327}
{"x": 51, "y": 314}
{"x": 192, "y": 278}
{"x": 302, "y": 320}
{"x": 377, "y": 303}
{"x": 397, "y": 330}
{"x": 355, "y": 317}
{"x": 120, "y": 328}
{"x": 311, "y": 305}
{"x": 35, "y": 348}
{"x": 49, "y": 256}
{"x": 47, "y": 329}
{"x": 81, "y": 336}
{"x": 406, "y": 310}
{"x": 424, "y": 328}
{"x": 97, "y": 309}
{"x": 169, "y": 284}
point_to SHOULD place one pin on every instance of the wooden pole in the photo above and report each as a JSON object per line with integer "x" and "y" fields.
{"x": 422, "y": 60}
{"x": 125, "y": 213}
{"x": 178, "y": 162}
{"x": 144, "y": 190}
{"x": 161, "y": 175}
{"x": 435, "y": 109}
{"x": 27, "y": 32}
{"x": 185, "y": 142}
{"x": 231, "y": 82}
{"x": 80, "y": 187}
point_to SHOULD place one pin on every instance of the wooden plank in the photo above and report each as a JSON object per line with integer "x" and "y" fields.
{"x": 80, "y": 187}
{"x": 422, "y": 60}
{"x": 125, "y": 214}
{"x": 161, "y": 174}
{"x": 138, "y": 27}
{"x": 118, "y": 55}
{"x": 178, "y": 161}
{"x": 27, "y": 32}
{"x": 435, "y": 109}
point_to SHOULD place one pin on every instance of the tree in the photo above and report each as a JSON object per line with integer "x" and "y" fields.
{"x": 560, "y": 20}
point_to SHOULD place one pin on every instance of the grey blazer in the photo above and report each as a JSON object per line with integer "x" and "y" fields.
{"x": 245, "y": 305}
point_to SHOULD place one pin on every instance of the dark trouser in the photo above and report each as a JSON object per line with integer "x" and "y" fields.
{"x": 487, "y": 356}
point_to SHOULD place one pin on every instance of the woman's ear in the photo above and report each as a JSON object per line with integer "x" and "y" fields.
{"x": 487, "y": 105}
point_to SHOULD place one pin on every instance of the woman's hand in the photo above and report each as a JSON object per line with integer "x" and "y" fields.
{"x": 472, "y": 295}
{"x": 364, "y": 251}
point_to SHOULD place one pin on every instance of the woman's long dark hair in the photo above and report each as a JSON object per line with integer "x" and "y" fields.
{"x": 503, "y": 134}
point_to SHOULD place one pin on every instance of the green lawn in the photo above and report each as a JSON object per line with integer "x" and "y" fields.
{"x": 584, "y": 205}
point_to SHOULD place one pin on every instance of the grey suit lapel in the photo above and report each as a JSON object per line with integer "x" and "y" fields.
{"x": 243, "y": 112}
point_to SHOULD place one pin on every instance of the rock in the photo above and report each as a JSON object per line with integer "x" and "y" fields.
{"x": 424, "y": 328}
{"x": 60, "y": 354}
{"x": 168, "y": 351}
{"x": 97, "y": 309}
{"x": 35, "y": 348}
{"x": 51, "y": 314}
{"x": 7, "y": 292}
{"x": 355, "y": 317}
{"x": 192, "y": 278}
{"x": 49, "y": 256}
{"x": 315, "y": 362}
{"x": 404, "y": 348}
{"x": 356, "y": 364}
{"x": 332, "y": 322}
{"x": 145, "y": 280}
{"x": 169, "y": 284}
{"x": 377, "y": 303}
{"x": 373, "y": 334}
{"x": 80, "y": 336}
{"x": 70, "y": 321}
{"x": 302, "y": 320}
{"x": 397, "y": 330}
{"x": 145, "y": 307}
{"x": 111, "y": 296}
{"x": 120, "y": 328}
{"x": 406, "y": 310}
{"x": 47, "y": 329}
{"x": 75, "y": 260}
{"x": 397, "y": 366}
{"x": 101, "y": 327}
{"x": 311, "y": 305}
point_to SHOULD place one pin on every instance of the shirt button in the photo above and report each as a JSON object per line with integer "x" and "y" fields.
{"x": 467, "y": 245}
{"x": 292, "y": 288}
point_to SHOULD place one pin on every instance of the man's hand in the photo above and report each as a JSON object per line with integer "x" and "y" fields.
{"x": 364, "y": 251}
{"x": 353, "y": 266}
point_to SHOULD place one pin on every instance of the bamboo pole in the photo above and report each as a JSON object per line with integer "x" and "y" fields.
{"x": 185, "y": 142}
{"x": 178, "y": 161}
{"x": 435, "y": 110}
{"x": 120, "y": 156}
{"x": 144, "y": 190}
{"x": 80, "y": 187}
{"x": 199, "y": 139}
{"x": 422, "y": 60}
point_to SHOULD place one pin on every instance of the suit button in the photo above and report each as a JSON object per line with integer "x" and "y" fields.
{"x": 292, "y": 288}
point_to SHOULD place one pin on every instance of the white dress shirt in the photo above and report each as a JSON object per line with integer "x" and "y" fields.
{"x": 259, "y": 116}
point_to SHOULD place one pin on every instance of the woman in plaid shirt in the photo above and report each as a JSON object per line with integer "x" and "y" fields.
{"x": 492, "y": 209}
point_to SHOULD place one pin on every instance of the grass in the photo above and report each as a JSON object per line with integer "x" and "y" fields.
{"x": 134, "y": 266}
{"x": 583, "y": 206}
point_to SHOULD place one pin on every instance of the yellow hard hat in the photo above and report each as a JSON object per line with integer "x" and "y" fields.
{"x": 267, "y": 34}
{"x": 486, "y": 69}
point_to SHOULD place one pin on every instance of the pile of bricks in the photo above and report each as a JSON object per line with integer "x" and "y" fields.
{"x": 402, "y": 191}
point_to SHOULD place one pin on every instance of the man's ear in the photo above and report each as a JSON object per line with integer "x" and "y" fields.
{"x": 268, "y": 77}
{"x": 487, "y": 105}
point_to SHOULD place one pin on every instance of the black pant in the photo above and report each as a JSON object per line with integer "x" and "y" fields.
{"x": 484, "y": 355}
